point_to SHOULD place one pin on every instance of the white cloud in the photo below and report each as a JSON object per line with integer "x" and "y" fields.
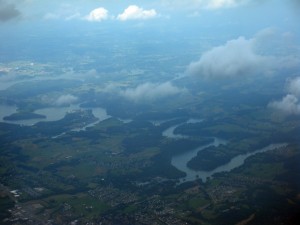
{"x": 236, "y": 57}
{"x": 65, "y": 100}
{"x": 134, "y": 12}
{"x": 150, "y": 92}
{"x": 241, "y": 56}
{"x": 290, "y": 104}
{"x": 97, "y": 15}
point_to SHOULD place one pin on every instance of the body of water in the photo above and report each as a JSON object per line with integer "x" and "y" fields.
{"x": 6, "y": 110}
{"x": 170, "y": 132}
{"x": 100, "y": 114}
{"x": 180, "y": 161}
{"x": 52, "y": 114}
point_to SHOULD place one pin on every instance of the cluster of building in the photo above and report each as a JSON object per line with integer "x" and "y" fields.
{"x": 27, "y": 214}
{"x": 230, "y": 186}
{"x": 150, "y": 211}
{"x": 112, "y": 196}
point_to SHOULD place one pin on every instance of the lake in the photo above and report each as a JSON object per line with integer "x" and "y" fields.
{"x": 52, "y": 114}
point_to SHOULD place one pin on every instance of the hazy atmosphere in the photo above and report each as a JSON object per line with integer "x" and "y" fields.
{"x": 149, "y": 112}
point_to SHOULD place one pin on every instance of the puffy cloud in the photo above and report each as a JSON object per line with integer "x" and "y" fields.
{"x": 290, "y": 103}
{"x": 65, "y": 100}
{"x": 265, "y": 53}
{"x": 8, "y": 11}
{"x": 150, "y": 92}
{"x": 97, "y": 15}
{"x": 134, "y": 12}
{"x": 236, "y": 57}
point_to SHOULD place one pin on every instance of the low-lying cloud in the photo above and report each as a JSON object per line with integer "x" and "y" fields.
{"x": 289, "y": 104}
{"x": 8, "y": 11}
{"x": 235, "y": 58}
{"x": 144, "y": 92}
{"x": 241, "y": 56}
{"x": 150, "y": 92}
{"x": 65, "y": 100}
{"x": 134, "y": 12}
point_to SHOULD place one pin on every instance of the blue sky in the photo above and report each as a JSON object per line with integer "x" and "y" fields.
{"x": 239, "y": 17}
{"x": 269, "y": 12}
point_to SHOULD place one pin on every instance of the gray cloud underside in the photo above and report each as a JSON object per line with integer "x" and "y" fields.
{"x": 8, "y": 11}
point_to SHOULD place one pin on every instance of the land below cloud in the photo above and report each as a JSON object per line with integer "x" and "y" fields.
{"x": 120, "y": 168}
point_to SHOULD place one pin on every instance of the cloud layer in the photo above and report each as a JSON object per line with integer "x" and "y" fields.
{"x": 134, "y": 12}
{"x": 289, "y": 104}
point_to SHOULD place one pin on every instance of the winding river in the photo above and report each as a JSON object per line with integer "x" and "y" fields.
{"x": 170, "y": 131}
{"x": 180, "y": 161}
